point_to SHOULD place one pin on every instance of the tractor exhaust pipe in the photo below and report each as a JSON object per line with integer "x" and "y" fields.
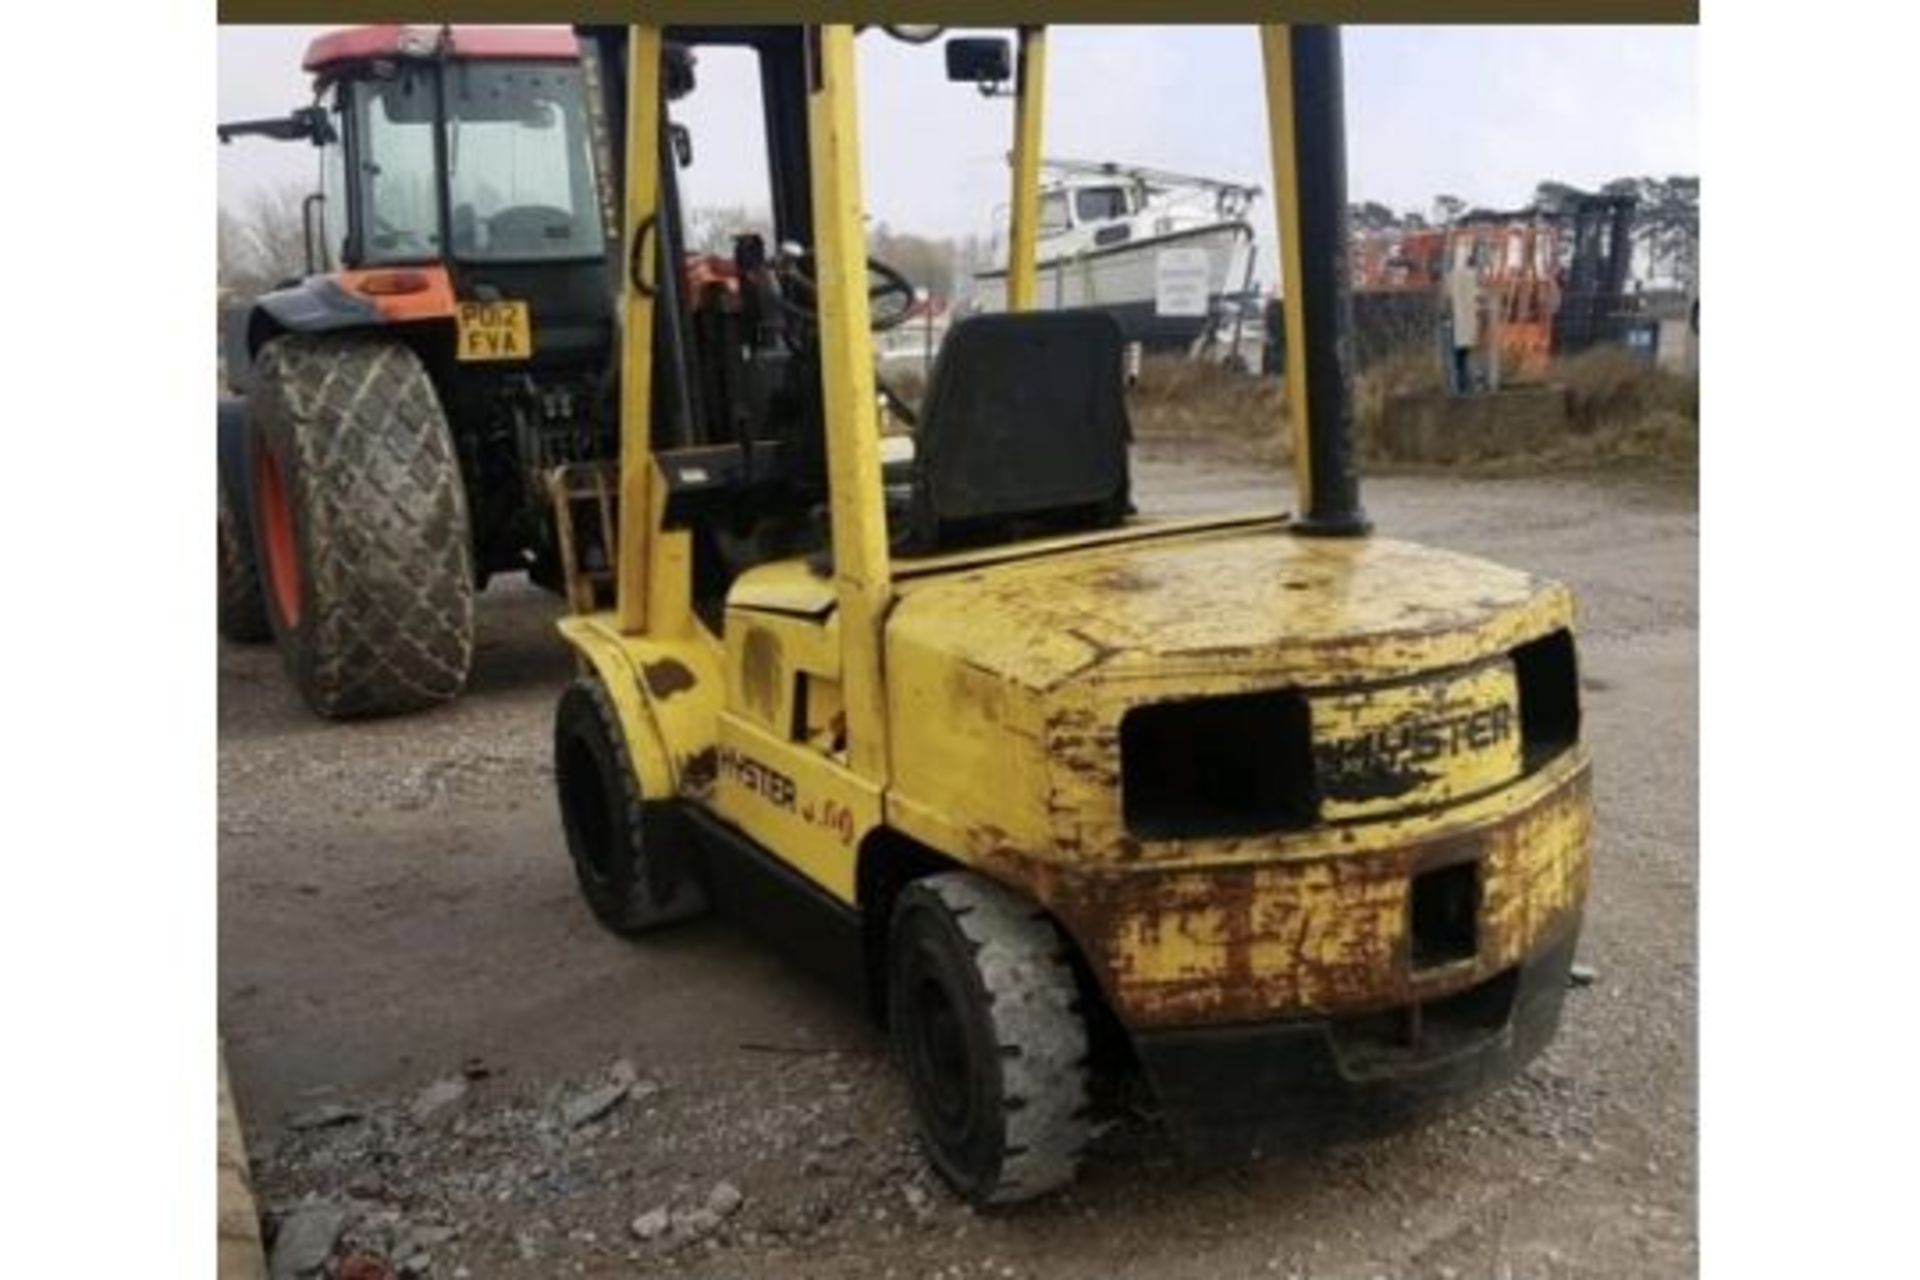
{"x": 1307, "y": 123}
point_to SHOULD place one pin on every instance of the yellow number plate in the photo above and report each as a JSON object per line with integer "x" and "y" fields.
{"x": 494, "y": 331}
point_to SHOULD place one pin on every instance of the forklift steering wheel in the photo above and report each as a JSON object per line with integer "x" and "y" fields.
{"x": 801, "y": 291}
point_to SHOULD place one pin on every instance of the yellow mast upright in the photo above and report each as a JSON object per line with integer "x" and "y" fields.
{"x": 1030, "y": 95}
{"x": 636, "y": 331}
{"x": 861, "y": 570}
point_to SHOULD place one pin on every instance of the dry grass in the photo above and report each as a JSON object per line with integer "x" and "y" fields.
{"x": 1409, "y": 371}
{"x": 1179, "y": 399}
{"x": 1606, "y": 386}
{"x": 1621, "y": 412}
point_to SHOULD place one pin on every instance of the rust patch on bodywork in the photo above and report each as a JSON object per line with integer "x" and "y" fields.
{"x": 666, "y": 677}
{"x": 698, "y": 772}
{"x": 1258, "y": 940}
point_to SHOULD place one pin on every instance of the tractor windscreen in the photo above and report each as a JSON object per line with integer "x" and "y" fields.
{"x": 519, "y": 163}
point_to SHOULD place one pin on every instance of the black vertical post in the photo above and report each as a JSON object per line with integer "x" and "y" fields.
{"x": 1320, "y": 145}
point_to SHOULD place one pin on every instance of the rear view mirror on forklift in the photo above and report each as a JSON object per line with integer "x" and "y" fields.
{"x": 1285, "y": 823}
{"x": 983, "y": 61}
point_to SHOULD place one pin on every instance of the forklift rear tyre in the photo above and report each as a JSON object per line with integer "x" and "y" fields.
{"x": 634, "y": 879}
{"x": 360, "y": 525}
{"x": 986, "y": 1018}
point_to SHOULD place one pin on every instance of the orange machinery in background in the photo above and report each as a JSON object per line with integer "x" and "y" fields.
{"x": 1519, "y": 257}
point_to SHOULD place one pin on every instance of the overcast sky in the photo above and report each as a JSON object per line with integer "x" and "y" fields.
{"x": 1479, "y": 112}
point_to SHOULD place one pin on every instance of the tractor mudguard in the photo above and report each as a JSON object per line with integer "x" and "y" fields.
{"x": 318, "y": 304}
{"x": 363, "y": 299}
{"x": 668, "y": 695}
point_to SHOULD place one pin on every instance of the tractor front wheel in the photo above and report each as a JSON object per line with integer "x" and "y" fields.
{"x": 986, "y": 1020}
{"x": 360, "y": 525}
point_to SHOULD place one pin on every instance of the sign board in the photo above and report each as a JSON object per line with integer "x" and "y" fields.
{"x": 1180, "y": 282}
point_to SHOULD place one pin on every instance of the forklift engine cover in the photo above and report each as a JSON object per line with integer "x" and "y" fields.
{"x": 1284, "y": 793}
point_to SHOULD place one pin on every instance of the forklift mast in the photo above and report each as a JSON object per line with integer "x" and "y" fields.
{"x": 680, "y": 417}
{"x": 1593, "y": 303}
{"x": 800, "y": 95}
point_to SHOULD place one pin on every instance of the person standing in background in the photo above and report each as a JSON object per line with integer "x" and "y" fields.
{"x": 1462, "y": 298}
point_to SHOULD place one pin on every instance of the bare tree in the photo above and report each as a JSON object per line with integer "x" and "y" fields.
{"x": 1669, "y": 224}
{"x": 1666, "y": 223}
{"x": 712, "y": 229}
{"x": 1371, "y": 215}
{"x": 929, "y": 263}
{"x": 263, "y": 244}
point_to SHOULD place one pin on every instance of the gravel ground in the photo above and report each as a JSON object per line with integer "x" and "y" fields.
{"x": 447, "y": 1069}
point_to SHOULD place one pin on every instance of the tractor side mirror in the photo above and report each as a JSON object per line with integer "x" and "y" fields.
{"x": 302, "y": 124}
{"x": 983, "y": 61}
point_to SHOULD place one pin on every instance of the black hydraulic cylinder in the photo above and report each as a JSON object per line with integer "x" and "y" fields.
{"x": 1320, "y": 147}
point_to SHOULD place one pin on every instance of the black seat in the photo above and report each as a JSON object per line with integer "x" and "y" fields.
{"x": 1023, "y": 431}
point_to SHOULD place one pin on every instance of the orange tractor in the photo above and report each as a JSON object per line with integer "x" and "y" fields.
{"x": 400, "y": 407}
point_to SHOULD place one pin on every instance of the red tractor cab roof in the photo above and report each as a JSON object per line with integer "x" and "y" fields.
{"x": 331, "y": 52}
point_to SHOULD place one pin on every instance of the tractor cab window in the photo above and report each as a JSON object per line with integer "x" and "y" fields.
{"x": 399, "y": 188}
{"x": 1100, "y": 204}
{"x": 519, "y": 163}
{"x": 333, "y": 196}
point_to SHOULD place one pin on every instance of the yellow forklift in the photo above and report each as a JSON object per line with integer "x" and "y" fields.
{"x": 1285, "y": 820}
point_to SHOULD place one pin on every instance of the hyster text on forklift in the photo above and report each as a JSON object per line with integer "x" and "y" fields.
{"x": 1284, "y": 821}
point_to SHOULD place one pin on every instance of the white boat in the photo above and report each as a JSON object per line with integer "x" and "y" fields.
{"x": 1165, "y": 253}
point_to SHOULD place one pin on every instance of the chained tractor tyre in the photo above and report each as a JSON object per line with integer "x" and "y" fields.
{"x": 987, "y": 1019}
{"x": 242, "y": 608}
{"x": 633, "y": 868}
{"x": 360, "y": 525}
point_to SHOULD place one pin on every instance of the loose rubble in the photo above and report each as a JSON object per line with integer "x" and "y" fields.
{"x": 433, "y": 1100}
{"x": 585, "y": 1108}
{"x": 305, "y": 1240}
{"x": 371, "y": 948}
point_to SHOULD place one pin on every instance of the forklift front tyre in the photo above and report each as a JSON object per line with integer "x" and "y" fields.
{"x": 634, "y": 879}
{"x": 986, "y": 1019}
